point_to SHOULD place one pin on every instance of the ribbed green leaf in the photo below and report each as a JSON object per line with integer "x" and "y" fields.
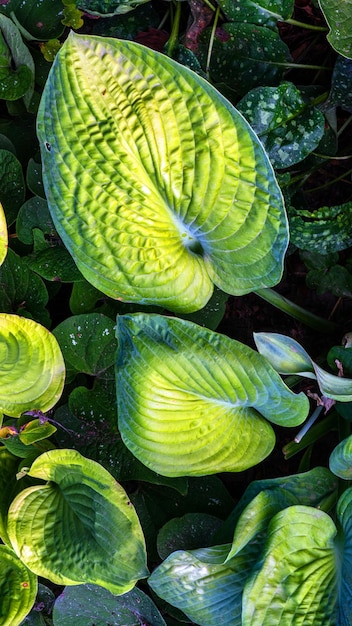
{"x": 340, "y": 461}
{"x": 296, "y": 582}
{"x": 78, "y": 527}
{"x": 158, "y": 187}
{"x": 32, "y": 370}
{"x": 18, "y": 588}
{"x": 201, "y": 585}
{"x": 288, "y": 357}
{"x": 192, "y": 402}
{"x": 89, "y": 604}
{"x": 344, "y": 512}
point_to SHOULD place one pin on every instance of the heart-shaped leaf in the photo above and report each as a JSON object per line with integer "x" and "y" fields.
{"x": 169, "y": 191}
{"x": 78, "y": 527}
{"x": 89, "y": 604}
{"x": 18, "y": 588}
{"x": 191, "y": 402}
{"x": 32, "y": 368}
{"x": 287, "y": 356}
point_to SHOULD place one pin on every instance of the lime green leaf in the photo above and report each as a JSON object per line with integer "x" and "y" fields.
{"x": 208, "y": 591}
{"x": 32, "y": 367}
{"x": 72, "y": 15}
{"x": 157, "y": 202}
{"x": 17, "y": 75}
{"x": 89, "y": 604}
{"x": 262, "y": 12}
{"x": 106, "y": 8}
{"x": 3, "y": 235}
{"x": 78, "y": 527}
{"x": 35, "y": 430}
{"x": 49, "y": 49}
{"x": 288, "y": 357}
{"x": 191, "y": 402}
{"x": 12, "y": 186}
{"x": 296, "y": 583}
{"x": 245, "y": 56}
{"x": 340, "y": 461}
{"x": 339, "y": 18}
{"x": 288, "y": 128}
{"x": 18, "y": 588}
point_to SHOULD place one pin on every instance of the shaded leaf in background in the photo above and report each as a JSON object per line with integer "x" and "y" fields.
{"x": 324, "y": 230}
{"x": 16, "y": 64}
{"x": 88, "y": 604}
{"x": 245, "y": 56}
{"x": 106, "y": 8}
{"x": 34, "y": 178}
{"x": 192, "y": 402}
{"x": 286, "y": 125}
{"x": 79, "y": 526}
{"x": 12, "y": 186}
{"x": 8, "y": 487}
{"x": 34, "y": 213}
{"x": 42, "y": 609}
{"x": 37, "y": 20}
{"x": 22, "y": 291}
{"x": 262, "y": 12}
{"x": 18, "y": 588}
{"x": 138, "y": 218}
{"x": 193, "y": 530}
{"x": 344, "y": 514}
{"x": 128, "y": 25}
{"x": 341, "y": 83}
{"x": 54, "y": 263}
{"x": 32, "y": 367}
{"x": 339, "y": 18}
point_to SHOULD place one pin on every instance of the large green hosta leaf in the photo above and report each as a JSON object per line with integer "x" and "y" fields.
{"x": 18, "y": 588}
{"x": 192, "y": 402}
{"x": 156, "y": 184}
{"x": 32, "y": 370}
{"x": 78, "y": 527}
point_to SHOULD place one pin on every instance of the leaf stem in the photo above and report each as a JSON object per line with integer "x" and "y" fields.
{"x": 331, "y": 182}
{"x": 322, "y": 29}
{"x": 211, "y": 40}
{"x": 309, "y": 423}
{"x": 170, "y": 46}
{"x": 297, "y": 312}
{"x": 316, "y": 432}
{"x": 347, "y": 122}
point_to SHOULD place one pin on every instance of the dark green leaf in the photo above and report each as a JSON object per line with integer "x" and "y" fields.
{"x": 16, "y": 64}
{"x": 287, "y": 126}
{"x": 261, "y": 12}
{"x": 12, "y": 186}
{"x": 55, "y": 263}
{"x": 89, "y": 604}
{"x": 106, "y": 8}
{"x": 37, "y": 20}
{"x": 341, "y": 84}
{"x": 324, "y": 230}
{"x": 193, "y": 530}
{"x": 245, "y": 56}
{"x": 34, "y": 178}
{"x": 34, "y": 213}
{"x": 339, "y": 18}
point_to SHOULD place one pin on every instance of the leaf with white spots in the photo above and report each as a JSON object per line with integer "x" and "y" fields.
{"x": 341, "y": 84}
{"x": 264, "y": 13}
{"x": 245, "y": 56}
{"x": 324, "y": 230}
{"x": 289, "y": 128}
{"x": 339, "y": 18}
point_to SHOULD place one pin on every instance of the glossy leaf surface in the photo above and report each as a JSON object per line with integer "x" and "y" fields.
{"x": 340, "y": 461}
{"x": 262, "y": 12}
{"x": 32, "y": 368}
{"x": 78, "y": 527}
{"x": 18, "y": 588}
{"x": 158, "y": 188}
{"x": 193, "y": 402}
